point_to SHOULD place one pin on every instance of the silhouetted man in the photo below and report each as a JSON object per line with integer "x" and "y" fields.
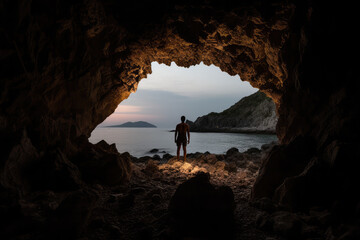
{"x": 180, "y": 137}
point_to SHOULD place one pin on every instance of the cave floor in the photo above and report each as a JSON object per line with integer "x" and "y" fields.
{"x": 138, "y": 210}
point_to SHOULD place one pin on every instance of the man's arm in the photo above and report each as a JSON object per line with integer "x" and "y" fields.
{"x": 188, "y": 133}
{"x": 176, "y": 132}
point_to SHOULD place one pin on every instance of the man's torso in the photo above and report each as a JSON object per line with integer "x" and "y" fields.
{"x": 182, "y": 129}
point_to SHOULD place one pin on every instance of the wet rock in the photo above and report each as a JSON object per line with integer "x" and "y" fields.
{"x": 200, "y": 209}
{"x": 194, "y": 155}
{"x": 231, "y": 152}
{"x": 155, "y": 150}
{"x": 268, "y": 146}
{"x": 167, "y": 156}
{"x": 253, "y": 151}
{"x": 144, "y": 159}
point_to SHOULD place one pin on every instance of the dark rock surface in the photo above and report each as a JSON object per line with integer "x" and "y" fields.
{"x": 282, "y": 162}
{"x": 66, "y": 65}
{"x": 101, "y": 163}
{"x": 201, "y": 210}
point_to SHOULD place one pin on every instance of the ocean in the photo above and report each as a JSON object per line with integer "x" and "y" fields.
{"x": 139, "y": 141}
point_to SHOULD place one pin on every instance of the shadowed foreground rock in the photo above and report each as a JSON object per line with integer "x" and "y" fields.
{"x": 199, "y": 209}
{"x": 101, "y": 163}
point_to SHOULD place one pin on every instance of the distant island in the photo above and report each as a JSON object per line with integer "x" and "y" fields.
{"x": 139, "y": 124}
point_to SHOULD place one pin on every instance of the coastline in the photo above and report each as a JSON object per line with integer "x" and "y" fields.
{"x": 231, "y": 130}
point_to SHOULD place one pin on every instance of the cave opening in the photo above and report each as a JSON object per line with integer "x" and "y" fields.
{"x": 199, "y": 91}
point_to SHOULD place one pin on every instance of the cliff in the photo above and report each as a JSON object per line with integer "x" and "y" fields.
{"x": 254, "y": 113}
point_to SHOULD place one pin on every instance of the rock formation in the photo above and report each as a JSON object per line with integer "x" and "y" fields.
{"x": 254, "y": 113}
{"x": 66, "y": 65}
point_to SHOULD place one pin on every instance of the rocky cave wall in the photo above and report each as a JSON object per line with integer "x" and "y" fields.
{"x": 66, "y": 65}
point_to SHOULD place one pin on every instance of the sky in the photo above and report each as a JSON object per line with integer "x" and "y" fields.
{"x": 172, "y": 91}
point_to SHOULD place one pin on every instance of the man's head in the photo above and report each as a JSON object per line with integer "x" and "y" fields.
{"x": 182, "y": 118}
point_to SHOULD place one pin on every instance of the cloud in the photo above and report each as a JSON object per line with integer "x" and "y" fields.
{"x": 126, "y": 109}
{"x": 199, "y": 80}
{"x": 171, "y": 92}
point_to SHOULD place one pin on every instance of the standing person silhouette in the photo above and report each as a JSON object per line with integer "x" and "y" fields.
{"x": 180, "y": 137}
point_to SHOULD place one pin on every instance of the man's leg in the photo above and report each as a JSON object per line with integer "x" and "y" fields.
{"x": 184, "y": 148}
{"x": 178, "y": 152}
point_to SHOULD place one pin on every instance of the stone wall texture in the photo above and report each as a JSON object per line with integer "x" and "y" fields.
{"x": 66, "y": 65}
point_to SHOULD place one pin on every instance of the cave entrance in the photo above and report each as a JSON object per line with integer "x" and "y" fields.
{"x": 172, "y": 91}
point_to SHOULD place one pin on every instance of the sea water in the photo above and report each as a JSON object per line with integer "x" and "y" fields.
{"x": 139, "y": 141}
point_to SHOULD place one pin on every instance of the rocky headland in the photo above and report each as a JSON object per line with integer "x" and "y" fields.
{"x": 252, "y": 114}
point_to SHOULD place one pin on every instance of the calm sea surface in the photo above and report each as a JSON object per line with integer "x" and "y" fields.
{"x": 139, "y": 141}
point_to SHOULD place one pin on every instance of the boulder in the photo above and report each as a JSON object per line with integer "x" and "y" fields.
{"x": 99, "y": 164}
{"x": 253, "y": 151}
{"x": 167, "y": 156}
{"x": 231, "y": 152}
{"x": 104, "y": 145}
{"x": 21, "y": 157}
{"x": 154, "y": 150}
{"x": 282, "y": 162}
{"x": 199, "y": 209}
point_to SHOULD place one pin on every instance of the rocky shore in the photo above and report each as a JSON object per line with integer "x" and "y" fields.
{"x": 205, "y": 196}
{"x": 141, "y": 210}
